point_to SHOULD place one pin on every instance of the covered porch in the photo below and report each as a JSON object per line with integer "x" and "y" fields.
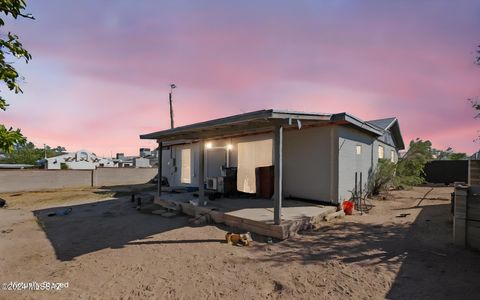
{"x": 259, "y": 122}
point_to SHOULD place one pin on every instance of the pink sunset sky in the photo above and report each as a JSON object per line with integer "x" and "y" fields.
{"x": 101, "y": 70}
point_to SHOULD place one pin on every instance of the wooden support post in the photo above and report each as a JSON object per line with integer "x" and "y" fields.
{"x": 159, "y": 176}
{"x": 278, "y": 168}
{"x": 201, "y": 172}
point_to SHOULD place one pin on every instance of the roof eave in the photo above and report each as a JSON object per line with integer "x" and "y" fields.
{"x": 357, "y": 122}
{"x": 401, "y": 145}
{"x": 231, "y": 119}
{"x": 260, "y": 115}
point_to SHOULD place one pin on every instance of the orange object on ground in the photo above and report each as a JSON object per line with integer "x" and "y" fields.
{"x": 347, "y": 207}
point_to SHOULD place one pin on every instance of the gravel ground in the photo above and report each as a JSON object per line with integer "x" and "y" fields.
{"x": 105, "y": 249}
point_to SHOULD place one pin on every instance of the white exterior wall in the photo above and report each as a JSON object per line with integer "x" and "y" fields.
{"x": 319, "y": 163}
{"x": 309, "y": 163}
{"x": 140, "y": 162}
{"x": 53, "y": 164}
{"x": 214, "y": 158}
{"x": 172, "y": 164}
{"x": 166, "y": 172}
{"x": 387, "y": 152}
{"x": 350, "y": 162}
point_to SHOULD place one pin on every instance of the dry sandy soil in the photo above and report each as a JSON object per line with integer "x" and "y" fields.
{"x": 105, "y": 249}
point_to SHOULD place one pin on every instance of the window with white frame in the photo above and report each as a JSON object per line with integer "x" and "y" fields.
{"x": 359, "y": 149}
{"x": 381, "y": 152}
{"x": 392, "y": 156}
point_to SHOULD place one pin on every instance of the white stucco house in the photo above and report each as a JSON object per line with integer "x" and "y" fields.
{"x": 315, "y": 155}
{"x": 80, "y": 160}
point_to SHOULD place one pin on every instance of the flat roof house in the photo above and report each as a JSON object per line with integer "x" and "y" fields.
{"x": 80, "y": 160}
{"x": 315, "y": 155}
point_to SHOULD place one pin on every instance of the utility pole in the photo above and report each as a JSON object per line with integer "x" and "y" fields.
{"x": 172, "y": 86}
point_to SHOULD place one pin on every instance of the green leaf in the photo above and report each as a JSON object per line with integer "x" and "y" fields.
{"x": 9, "y": 138}
{"x": 11, "y": 47}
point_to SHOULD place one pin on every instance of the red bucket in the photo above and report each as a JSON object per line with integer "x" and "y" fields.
{"x": 347, "y": 207}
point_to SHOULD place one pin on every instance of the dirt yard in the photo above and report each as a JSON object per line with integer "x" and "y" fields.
{"x": 105, "y": 249}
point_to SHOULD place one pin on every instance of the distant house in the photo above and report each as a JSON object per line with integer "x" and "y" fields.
{"x": 80, "y": 160}
{"x": 123, "y": 161}
{"x": 145, "y": 152}
{"x": 316, "y": 154}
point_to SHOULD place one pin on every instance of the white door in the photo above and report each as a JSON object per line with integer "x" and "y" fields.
{"x": 186, "y": 166}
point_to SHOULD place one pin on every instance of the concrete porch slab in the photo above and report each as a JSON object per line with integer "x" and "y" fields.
{"x": 251, "y": 214}
{"x": 288, "y": 213}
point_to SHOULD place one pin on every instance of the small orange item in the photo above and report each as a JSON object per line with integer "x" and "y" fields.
{"x": 347, "y": 207}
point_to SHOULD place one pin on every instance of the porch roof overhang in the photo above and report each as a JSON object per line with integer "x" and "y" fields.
{"x": 255, "y": 122}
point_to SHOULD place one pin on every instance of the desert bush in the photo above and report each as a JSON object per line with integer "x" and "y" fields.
{"x": 382, "y": 177}
{"x": 407, "y": 172}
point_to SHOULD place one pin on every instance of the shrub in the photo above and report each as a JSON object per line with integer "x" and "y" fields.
{"x": 382, "y": 177}
{"x": 407, "y": 172}
{"x": 410, "y": 166}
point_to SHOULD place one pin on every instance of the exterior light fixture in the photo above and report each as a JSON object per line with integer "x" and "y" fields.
{"x": 208, "y": 145}
{"x": 229, "y": 146}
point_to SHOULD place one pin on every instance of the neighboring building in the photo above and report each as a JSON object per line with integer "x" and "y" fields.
{"x": 80, "y": 160}
{"x": 123, "y": 161}
{"x": 145, "y": 152}
{"x": 153, "y": 158}
{"x": 319, "y": 153}
{"x": 141, "y": 162}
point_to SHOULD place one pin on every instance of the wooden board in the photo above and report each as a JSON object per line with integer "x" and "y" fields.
{"x": 466, "y": 224}
{"x": 474, "y": 172}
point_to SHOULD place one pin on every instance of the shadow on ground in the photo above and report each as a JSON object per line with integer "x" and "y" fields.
{"x": 126, "y": 190}
{"x": 115, "y": 223}
{"x": 434, "y": 268}
{"x": 104, "y": 224}
{"x": 431, "y": 267}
